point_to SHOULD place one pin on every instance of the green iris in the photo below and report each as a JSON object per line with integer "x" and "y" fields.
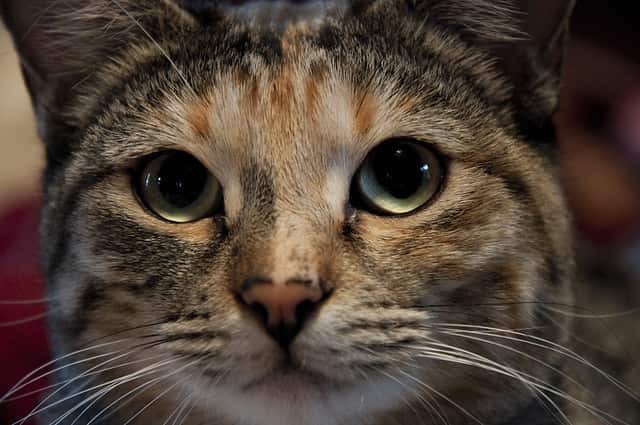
{"x": 398, "y": 177}
{"x": 178, "y": 188}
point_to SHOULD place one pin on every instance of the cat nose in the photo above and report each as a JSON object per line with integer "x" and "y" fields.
{"x": 283, "y": 308}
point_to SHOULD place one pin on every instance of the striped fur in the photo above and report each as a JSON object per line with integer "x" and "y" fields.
{"x": 283, "y": 119}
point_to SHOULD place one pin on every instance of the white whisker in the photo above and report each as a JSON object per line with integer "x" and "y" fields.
{"x": 581, "y": 340}
{"x": 21, "y": 382}
{"x": 110, "y": 385}
{"x": 469, "y": 358}
{"x": 29, "y": 319}
{"x": 444, "y": 397}
{"x": 108, "y": 390}
{"x": 145, "y": 407}
{"x": 418, "y": 396}
{"x": 625, "y": 313}
{"x": 175, "y": 414}
{"x": 548, "y": 345}
{"x": 142, "y": 372}
{"x": 137, "y": 390}
{"x": 51, "y": 372}
{"x": 78, "y": 377}
{"x": 25, "y": 302}
{"x": 186, "y": 415}
{"x": 519, "y": 352}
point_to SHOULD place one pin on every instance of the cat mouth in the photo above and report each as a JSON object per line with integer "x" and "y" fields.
{"x": 292, "y": 377}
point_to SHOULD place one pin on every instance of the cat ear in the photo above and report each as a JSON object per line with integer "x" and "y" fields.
{"x": 534, "y": 61}
{"x": 62, "y": 43}
{"x": 526, "y": 36}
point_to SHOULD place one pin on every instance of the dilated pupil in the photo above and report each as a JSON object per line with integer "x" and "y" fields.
{"x": 399, "y": 170}
{"x": 181, "y": 180}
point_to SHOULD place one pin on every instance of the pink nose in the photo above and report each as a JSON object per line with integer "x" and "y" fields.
{"x": 282, "y": 308}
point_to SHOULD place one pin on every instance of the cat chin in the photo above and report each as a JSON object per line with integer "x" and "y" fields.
{"x": 294, "y": 398}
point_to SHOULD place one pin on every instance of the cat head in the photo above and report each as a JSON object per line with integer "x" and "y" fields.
{"x": 303, "y": 214}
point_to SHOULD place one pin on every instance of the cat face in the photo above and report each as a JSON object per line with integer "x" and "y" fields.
{"x": 302, "y": 225}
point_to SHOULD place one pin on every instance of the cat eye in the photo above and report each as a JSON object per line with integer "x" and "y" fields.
{"x": 178, "y": 188}
{"x": 397, "y": 177}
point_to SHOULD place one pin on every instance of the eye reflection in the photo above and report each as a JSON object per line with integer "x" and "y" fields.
{"x": 398, "y": 177}
{"x": 178, "y": 188}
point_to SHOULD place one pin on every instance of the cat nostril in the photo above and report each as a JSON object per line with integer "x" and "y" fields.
{"x": 282, "y": 308}
{"x": 260, "y": 311}
{"x": 304, "y": 310}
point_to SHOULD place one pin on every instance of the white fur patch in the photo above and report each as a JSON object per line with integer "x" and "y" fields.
{"x": 336, "y": 187}
{"x": 289, "y": 400}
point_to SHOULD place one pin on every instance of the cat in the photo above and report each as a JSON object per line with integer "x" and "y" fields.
{"x": 272, "y": 213}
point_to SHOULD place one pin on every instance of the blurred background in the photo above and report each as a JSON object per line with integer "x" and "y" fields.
{"x": 21, "y": 157}
{"x": 599, "y": 131}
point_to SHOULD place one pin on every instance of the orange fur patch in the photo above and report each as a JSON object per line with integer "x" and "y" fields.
{"x": 198, "y": 118}
{"x": 365, "y": 114}
{"x": 282, "y": 96}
